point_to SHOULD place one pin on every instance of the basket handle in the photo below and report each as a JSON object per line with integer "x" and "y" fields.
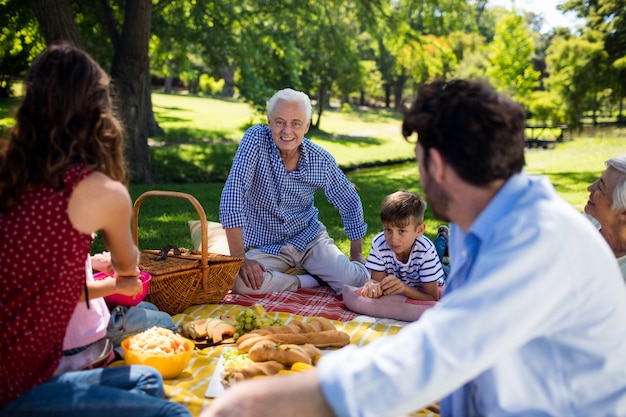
{"x": 183, "y": 196}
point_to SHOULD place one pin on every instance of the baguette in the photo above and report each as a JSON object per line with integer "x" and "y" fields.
{"x": 295, "y": 326}
{"x": 327, "y": 338}
{"x": 232, "y": 375}
{"x": 286, "y": 354}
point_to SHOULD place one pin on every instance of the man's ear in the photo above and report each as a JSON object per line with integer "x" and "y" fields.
{"x": 621, "y": 215}
{"x": 436, "y": 165}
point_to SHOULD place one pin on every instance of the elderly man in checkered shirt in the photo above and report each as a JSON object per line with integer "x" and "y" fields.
{"x": 267, "y": 207}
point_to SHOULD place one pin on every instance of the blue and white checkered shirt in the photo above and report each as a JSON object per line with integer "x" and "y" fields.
{"x": 275, "y": 207}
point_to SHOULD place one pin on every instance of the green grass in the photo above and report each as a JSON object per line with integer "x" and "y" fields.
{"x": 571, "y": 166}
{"x": 202, "y": 136}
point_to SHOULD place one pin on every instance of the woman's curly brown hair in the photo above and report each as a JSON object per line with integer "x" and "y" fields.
{"x": 65, "y": 119}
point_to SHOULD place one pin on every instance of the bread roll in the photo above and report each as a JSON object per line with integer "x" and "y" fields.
{"x": 286, "y": 354}
{"x": 232, "y": 375}
{"x": 327, "y": 338}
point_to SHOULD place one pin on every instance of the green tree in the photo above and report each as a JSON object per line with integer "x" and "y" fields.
{"x": 575, "y": 70}
{"x": 608, "y": 19}
{"x": 511, "y": 69}
{"x": 129, "y": 66}
{"x": 20, "y": 43}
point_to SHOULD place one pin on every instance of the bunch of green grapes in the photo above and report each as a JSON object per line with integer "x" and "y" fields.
{"x": 244, "y": 322}
{"x": 247, "y": 320}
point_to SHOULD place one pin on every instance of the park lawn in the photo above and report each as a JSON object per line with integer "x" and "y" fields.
{"x": 202, "y": 134}
{"x": 571, "y": 167}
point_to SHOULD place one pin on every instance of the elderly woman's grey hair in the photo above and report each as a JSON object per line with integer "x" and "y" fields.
{"x": 291, "y": 96}
{"x": 619, "y": 193}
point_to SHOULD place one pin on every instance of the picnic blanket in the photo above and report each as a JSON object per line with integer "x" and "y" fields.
{"x": 316, "y": 301}
{"x": 190, "y": 387}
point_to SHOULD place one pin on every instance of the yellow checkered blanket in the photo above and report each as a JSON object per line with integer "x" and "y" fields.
{"x": 189, "y": 388}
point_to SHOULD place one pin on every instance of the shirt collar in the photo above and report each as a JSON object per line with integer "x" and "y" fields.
{"x": 501, "y": 204}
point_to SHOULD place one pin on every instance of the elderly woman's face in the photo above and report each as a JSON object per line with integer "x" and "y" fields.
{"x": 601, "y": 197}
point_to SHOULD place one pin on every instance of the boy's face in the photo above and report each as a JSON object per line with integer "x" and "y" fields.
{"x": 400, "y": 239}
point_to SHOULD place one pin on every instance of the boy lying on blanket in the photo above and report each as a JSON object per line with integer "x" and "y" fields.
{"x": 402, "y": 260}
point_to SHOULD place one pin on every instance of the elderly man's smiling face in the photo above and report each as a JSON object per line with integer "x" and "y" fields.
{"x": 288, "y": 123}
{"x": 601, "y": 197}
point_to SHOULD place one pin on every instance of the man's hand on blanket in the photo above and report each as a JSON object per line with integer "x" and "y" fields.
{"x": 251, "y": 272}
{"x": 293, "y": 395}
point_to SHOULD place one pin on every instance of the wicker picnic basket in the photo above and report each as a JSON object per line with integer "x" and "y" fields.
{"x": 191, "y": 277}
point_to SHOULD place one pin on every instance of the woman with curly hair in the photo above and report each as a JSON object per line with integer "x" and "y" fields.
{"x": 61, "y": 180}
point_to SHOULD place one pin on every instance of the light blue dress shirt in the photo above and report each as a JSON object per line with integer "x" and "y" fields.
{"x": 532, "y": 323}
{"x": 275, "y": 207}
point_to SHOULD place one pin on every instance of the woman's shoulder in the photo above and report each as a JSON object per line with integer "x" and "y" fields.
{"x": 97, "y": 198}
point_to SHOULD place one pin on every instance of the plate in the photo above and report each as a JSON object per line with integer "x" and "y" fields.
{"x": 216, "y": 387}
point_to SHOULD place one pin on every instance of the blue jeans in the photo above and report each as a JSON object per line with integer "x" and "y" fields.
{"x": 128, "y": 321}
{"x": 441, "y": 243}
{"x": 118, "y": 391}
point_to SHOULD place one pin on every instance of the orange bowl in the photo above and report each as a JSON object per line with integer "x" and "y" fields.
{"x": 169, "y": 366}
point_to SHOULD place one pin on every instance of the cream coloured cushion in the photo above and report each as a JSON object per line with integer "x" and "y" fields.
{"x": 216, "y": 237}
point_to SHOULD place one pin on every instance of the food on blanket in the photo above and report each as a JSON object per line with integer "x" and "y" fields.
{"x": 220, "y": 330}
{"x": 327, "y": 338}
{"x": 248, "y": 320}
{"x": 232, "y": 375}
{"x": 214, "y": 329}
{"x": 195, "y": 329}
{"x": 296, "y": 367}
{"x": 167, "y": 352}
{"x": 294, "y": 326}
{"x": 157, "y": 340}
{"x": 286, "y": 354}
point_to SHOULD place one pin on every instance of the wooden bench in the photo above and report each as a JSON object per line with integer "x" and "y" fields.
{"x": 544, "y": 136}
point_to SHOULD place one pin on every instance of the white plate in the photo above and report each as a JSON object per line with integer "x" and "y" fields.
{"x": 216, "y": 387}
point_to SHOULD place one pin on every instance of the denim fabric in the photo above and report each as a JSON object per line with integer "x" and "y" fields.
{"x": 118, "y": 391}
{"x": 128, "y": 321}
{"x": 440, "y": 243}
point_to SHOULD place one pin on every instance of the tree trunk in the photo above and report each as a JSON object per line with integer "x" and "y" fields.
{"x": 228, "y": 74}
{"x": 56, "y": 21}
{"x": 387, "y": 88}
{"x": 129, "y": 71}
{"x": 321, "y": 103}
{"x": 153, "y": 127}
{"x": 398, "y": 89}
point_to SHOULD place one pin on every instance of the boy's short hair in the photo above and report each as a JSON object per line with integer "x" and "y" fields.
{"x": 401, "y": 207}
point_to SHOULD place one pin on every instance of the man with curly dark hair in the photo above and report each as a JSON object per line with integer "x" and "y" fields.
{"x": 532, "y": 319}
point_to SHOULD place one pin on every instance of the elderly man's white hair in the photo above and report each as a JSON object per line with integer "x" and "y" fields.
{"x": 619, "y": 193}
{"x": 290, "y": 96}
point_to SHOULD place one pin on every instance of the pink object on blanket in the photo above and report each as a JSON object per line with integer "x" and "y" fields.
{"x": 316, "y": 301}
{"x": 397, "y": 307}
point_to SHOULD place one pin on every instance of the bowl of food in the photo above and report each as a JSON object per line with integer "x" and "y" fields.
{"x": 166, "y": 351}
{"x": 115, "y": 300}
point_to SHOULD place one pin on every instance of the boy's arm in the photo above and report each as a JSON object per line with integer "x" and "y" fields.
{"x": 429, "y": 291}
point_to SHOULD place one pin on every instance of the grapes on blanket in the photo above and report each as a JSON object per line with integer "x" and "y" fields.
{"x": 247, "y": 320}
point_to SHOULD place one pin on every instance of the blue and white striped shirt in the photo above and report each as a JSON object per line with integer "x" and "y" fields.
{"x": 275, "y": 207}
{"x": 423, "y": 265}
